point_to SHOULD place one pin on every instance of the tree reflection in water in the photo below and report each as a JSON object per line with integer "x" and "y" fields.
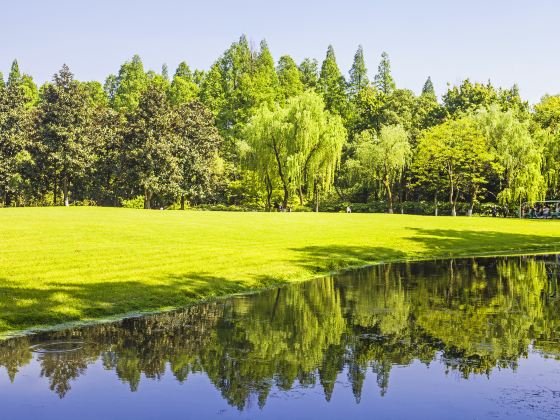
{"x": 472, "y": 315}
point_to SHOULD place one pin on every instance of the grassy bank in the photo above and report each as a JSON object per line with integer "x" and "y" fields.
{"x": 72, "y": 264}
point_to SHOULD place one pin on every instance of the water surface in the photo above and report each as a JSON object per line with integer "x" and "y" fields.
{"x": 463, "y": 338}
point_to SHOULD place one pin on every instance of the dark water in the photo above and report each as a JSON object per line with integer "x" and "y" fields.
{"x": 469, "y": 338}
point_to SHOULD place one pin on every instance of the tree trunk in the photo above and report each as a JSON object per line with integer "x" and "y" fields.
{"x": 268, "y": 183}
{"x": 316, "y": 192}
{"x": 300, "y": 195}
{"x": 455, "y": 199}
{"x": 65, "y": 191}
{"x": 182, "y": 201}
{"x": 286, "y": 197}
{"x": 389, "y": 195}
{"x": 451, "y": 201}
{"x": 55, "y": 190}
{"x": 473, "y": 199}
{"x": 436, "y": 204}
{"x": 283, "y": 178}
{"x": 147, "y": 199}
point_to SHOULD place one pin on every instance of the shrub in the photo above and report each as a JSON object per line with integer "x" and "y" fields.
{"x": 134, "y": 203}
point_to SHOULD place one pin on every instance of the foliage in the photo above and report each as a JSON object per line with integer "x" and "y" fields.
{"x": 518, "y": 154}
{"x": 64, "y": 127}
{"x": 298, "y": 144}
{"x": 384, "y": 158}
{"x": 454, "y": 151}
{"x": 98, "y": 162}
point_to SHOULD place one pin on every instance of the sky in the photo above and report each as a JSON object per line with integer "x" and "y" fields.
{"x": 505, "y": 41}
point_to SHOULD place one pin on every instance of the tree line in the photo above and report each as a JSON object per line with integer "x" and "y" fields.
{"x": 255, "y": 133}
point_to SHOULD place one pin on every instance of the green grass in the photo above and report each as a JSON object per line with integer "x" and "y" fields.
{"x": 60, "y": 265}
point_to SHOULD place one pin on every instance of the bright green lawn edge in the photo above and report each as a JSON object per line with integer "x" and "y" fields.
{"x": 119, "y": 317}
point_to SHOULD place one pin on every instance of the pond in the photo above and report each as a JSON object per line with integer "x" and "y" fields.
{"x": 460, "y": 338}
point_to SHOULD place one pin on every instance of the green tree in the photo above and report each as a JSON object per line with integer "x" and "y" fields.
{"x": 468, "y": 97}
{"x": 95, "y": 93}
{"x": 152, "y": 145}
{"x": 264, "y": 83}
{"x": 358, "y": 73}
{"x": 288, "y": 78}
{"x": 384, "y": 157}
{"x": 130, "y": 84}
{"x": 64, "y": 130}
{"x": 547, "y": 113}
{"x": 428, "y": 88}
{"x": 518, "y": 153}
{"x": 15, "y": 130}
{"x": 455, "y": 150}
{"x": 331, "y": 84}
{"x": 300, "y": 143}
{"x": 383, "y": 79}
{"x": 183, "y": 89}
{"x": 165, "y": 71}
{"x": 198, "y": 144}
{"x": 309, "y": 73}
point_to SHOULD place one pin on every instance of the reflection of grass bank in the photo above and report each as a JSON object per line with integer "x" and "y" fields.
{"x": 60, "y": 265}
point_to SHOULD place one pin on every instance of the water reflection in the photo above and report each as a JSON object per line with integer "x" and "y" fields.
{"x": 471, "y": 315}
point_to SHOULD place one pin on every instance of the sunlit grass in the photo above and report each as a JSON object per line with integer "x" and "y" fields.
{"x": 73, "y": 264}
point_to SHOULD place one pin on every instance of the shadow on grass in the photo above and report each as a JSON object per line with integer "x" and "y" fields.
{"x": 28, "y": 307}
{"x": 453, "y": 242}
{"x": 426, "y": 243}
{"x": 319, "y": 259}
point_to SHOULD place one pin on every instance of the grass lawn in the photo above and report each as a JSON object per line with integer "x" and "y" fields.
{"x": 60, "y": 265}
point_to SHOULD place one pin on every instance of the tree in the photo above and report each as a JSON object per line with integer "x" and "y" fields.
{"x": 468, "y": 97}
{"x": 309, "y": 73}
{"x": 384, "y": 157}
{"x": 358, "y": 73}
{"x": 518, "y": 153}
{"x": 547, "y": 113}
{"x": 264, "y": 83}
{"x": 183, "y": 89}
{"x": 198, "y": 143}
{"x": 289, "y": 80}
{"x": 331, "y": 84}
{"x": 428, "y": 88}
{"x": 63, "y": 128}
{"x": 547, "y": 119}
{"x": 455, "y": 150}
{"x": 96, "y": 94}
{"x": 130, "y": 84}
{"x": 299, "y": 142}
{"x": 383, "y": 79}
{"x": 165, "y": 71}
{"x": 212, "y": 92}
{"x": 152, "y": 145}
{"x": 428, "y": 112}
{"x": 15, "y": 129}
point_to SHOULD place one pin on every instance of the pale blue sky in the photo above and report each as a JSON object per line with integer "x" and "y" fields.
{"x": 506, "y": 41}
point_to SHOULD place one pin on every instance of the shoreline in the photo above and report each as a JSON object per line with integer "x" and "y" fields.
{"x": 29, "y": 332}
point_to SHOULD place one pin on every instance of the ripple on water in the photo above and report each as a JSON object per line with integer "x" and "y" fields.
{"x": 57, "y": 347}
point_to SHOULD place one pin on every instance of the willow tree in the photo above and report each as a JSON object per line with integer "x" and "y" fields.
{"x": 318, "y": 137}
{"x": 384, "y": 157}
{"x": 299, "y": 144}
{"x": 519, "y": 156}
